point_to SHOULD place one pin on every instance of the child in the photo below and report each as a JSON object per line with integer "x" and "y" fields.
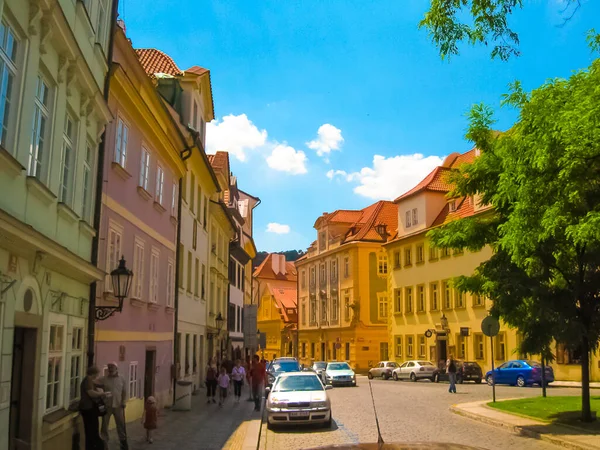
{"x": 223, "y": 382}
{"x": 150, "y": 417}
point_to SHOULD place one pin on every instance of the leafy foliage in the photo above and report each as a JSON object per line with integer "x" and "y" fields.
{"x": 542, "y": 178}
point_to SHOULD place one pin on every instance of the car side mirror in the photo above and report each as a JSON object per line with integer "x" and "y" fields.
{"x": 328, "y": 387}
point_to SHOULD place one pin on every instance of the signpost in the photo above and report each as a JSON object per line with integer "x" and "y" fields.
{"x": 490, "y": 327}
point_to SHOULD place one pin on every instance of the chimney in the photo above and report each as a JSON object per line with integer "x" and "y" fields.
{"x": 275, "y": 263}
{"x": 282, "y": 266}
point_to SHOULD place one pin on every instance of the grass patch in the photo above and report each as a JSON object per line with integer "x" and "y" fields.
{"x": 551, "y": 409}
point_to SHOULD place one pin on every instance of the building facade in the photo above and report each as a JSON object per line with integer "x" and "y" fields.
{"x": 275, "y": 284}
{"x": 343, "y": 287}
{"x": 142, "y": 169}
{"x": 53, "y": 67}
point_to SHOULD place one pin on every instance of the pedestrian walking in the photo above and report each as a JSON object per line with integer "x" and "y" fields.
{"x": 211, "y": 381}
{"x": 451, "y": 369}
{"x": 150, "y": 418}
{"x": 89, "y": 408}
{"x": 258, "y": 378}
{"x": 238, "y": 374}
{"x": 115, "y": 387}
{"x": 223, "y": 385}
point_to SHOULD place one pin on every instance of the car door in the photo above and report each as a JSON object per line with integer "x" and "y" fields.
{"x": 400, "y": 370}
{"x": 408, "y": 369}
{"x": 516, "y": 369}
{"x": 380, "y": 369}
{"x": 501, "y": 373}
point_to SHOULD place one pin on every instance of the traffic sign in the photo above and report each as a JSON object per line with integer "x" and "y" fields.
{"x": 490, "y": 326}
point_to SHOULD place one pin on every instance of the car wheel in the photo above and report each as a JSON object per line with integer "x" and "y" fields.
{"x": 370, "y": 376}
{"x": 436, "y": 378}
{"x": 329, "y": 422}
{"x": 478, "y": 381}
{"x": 521, "y": 381}
{"x": 490, "y": 380}
{"x": 395, "y": 376}
{"x": 413, "y": 377}
{"x": 269, "y": 425}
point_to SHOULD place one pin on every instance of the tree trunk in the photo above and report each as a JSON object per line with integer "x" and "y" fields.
{"x": 544, "y": 375}
{"x": 586, "y": 413}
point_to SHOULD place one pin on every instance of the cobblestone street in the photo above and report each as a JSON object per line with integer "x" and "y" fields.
{"x": 408, "y": 412}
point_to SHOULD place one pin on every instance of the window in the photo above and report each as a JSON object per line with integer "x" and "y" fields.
{"x": 205, "y": 212}
{"x": 154, "y": 258}
{"x": 194, "y": 354}
{"x": 420, "y": 299}
{"x": 113, "y": 254}
{"x": 500, "y": 347}
{"x": 212, "y": 296}
{"x": 138, "y": 269}
{"x": 421, "y": 341}
{"x": 382, "y": 268}
{"x": 189, "y": 272}
{"x": 446, "y": 294}
{"x": 460, "y": 298}
{"x": 160, "y": 179}
{"x": 323, "y": 274}
{"x": 312, "y": 349}
{"x": 170, "y": 283}
{"x": 88, "y": 177}
{"x": 323, "y": 309}
{"x": 409, "y": 300}
{"x": 121, "y": 144}
{"x": 303, "y": 313}
{"x": 383, "y": 306}
{"x": 398, "y": 346}
{"x": 322, "y": 241}
{"x": 55, "y": 358}
{"x": 312, "y": 276}
{"x": 303, "y": 279}
{"x": 199, "y": 200}
{"x": 333, "y": 273}
{"x": 335, "y": 306}
{"x": 346, "y": 267}
{"x": 461, "y": 345}
{"x": 398, "y": 300}
{"x": 174, "y": 200}
{"x": 144, "y": 168}
{"x": 396, "y": 260}
{"x": 408, "y": 219}
{"x": 67, "y": 162}
{"x": 197, "y": 279}
{"x": 452, "y": 205}
{"x": 76, "y": 362}
{"x": 195, "y": 234}
{"x": 347, "y": 308}
{"x": 8, "y": 71}
{"x": 420, "y": 254}
{"x": 347, "y": 356}
{"x": 304, "y": 349}
{"x": 479, "y": 346}
{"x": 41, "y": 126}
{"x": 445, "y": 252}
{"x": 312, "y": 310}
{"x": 134, "y": 383}
{"x": 407, "y": 257}
{"x": 101, "y": 28}
{"x": 203, "y": 285}
{"x": 192, "y": 192}
{"x": 383, "y": 351}
{"x": 187, "y": 354}
{"x": 415, "y": 216}
{"x": 433, "y": 296}
{"x": 433, "y": 253}
{"x": 409, "y": 346}
{"x": 478, "y": 300}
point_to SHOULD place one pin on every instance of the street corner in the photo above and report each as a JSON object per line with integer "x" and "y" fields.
{"x": 247, "y": 435}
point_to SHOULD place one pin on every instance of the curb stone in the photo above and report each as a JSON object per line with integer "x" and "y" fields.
{"x": 523, "y": 430}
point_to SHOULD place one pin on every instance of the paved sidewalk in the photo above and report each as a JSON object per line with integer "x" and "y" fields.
{"x": 206, "y": 426}
{"x": 573, "y": 384}
{"x": 565, "y": 436}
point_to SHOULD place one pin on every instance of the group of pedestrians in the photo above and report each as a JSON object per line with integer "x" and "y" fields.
{"x": 253, "y": 372}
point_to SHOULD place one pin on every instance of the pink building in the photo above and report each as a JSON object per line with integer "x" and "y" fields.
{"x": 142, "y": 170}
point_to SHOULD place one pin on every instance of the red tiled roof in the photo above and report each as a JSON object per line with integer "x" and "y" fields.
{"x": 285, "y": 298}
{"x": 465, "y": 158}
{"x": 265, "y": 270}
{"x": 197, "y": 70}
{"x": 382, "y": 212}
{"x": 219, "y": 161}
{"x": 344, "y": 216}
{"x": 154, "y": 61}
{"x": 464, "y": 208}
{"x": 435, "y": 181}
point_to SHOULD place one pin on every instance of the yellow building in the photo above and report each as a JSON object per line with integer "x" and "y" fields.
{"x": 275, "y": 283}
{"x": 343, "y": 287}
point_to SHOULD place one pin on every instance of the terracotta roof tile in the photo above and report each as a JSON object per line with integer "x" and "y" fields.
{"x": 434, "y": 181}
{"x": 265, "y": 270}
{"x": 197, "y": 70}
{"x": 464, "y": 208}
{"x": 154, "y": 61}
{"x": 465, "y": 158}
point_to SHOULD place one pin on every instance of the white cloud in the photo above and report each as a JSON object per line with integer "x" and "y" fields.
{"x": 328, "y": 138}
{"x": 287, "y": 159}
{"x": 234, "y": 134}
{"x": 389, "y": 177}
{"x": 278, "y": 228}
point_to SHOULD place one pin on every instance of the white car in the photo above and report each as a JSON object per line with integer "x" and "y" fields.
{"x": 298, "y": 397}
{"x": 339, "y": 373}
{"x": 414, "y": 370}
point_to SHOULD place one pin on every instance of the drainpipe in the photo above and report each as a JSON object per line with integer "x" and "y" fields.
{"x": 98, "y": 199}
{"x": 297, "y": 313}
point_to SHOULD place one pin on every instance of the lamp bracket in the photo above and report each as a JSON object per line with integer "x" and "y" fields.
{"x": 104, "y": 312}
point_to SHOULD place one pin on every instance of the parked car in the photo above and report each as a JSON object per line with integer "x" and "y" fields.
{"x": 279, "y": 366}
{"x": 383, "y": 369}
{"x": 339, "y": 373}
{"x": 414, "y": 370}
{"x": 465, "y": 371}
{"x": 319, "y": 367}
{"x": 519, "y": 372}
{"x": 298, "y": 397}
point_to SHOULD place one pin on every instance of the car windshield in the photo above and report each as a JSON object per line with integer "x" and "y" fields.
{"x": 298, "y": 383}
{"x": 338, "y": 366}
{"x": 285, "y": 366}
{"x": 534, "y": 364}
{"x": 425, "y": 363}
{"x": 320, "y": 365}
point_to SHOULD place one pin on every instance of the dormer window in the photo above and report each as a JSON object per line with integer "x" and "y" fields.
{"x": 408, "y": 219}
{"x": 412, "y": 217}
{"x": 322, "y": 241}
{"x": 415, "y": 216}
{"x": 452, "y": 206}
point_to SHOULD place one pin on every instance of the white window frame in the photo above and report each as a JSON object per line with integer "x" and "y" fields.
{"x": 121, "y": 138}
{"x": 144, "y": 168}
{"x": 88, "y": 182}
{"x": 170, "y": 283}
{"x": 382, "y": 306}
{"x": 410, "y": 346}
{"x": 422, "y": 343}
{"x": 8, "y": 68}
{"x": 102, "y": 22}
{"x": 76, "y": 370}
{"x": 56, "y": 355}
{"x": 133, "y": 382}
{"x": 382, "y": 264}
{"x": 408, "y": 219}
{"x": 154, "y": 275}
{"x": 174, "y": 200}
{"x": 398, "y": 346}
{"x": 114, "y": 245}
{"x": 335, "y": 306}
{"x": 160, "y": 185}
{"x": 67, "y": 160}
{"x": 40, "y": 144}
{"x": 138, "y": 269}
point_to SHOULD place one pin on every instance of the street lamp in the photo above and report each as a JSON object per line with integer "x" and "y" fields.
{"x": 121, "y": 282}
{"x": 444, "y": 322}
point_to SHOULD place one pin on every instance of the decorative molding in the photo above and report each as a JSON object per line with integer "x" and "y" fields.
{"x": 84, "y": 101}
{"x": 35, "y": 13}
{"x": 45, "y": 31}
{"x": 120, "y": 170}
{"x": 66, "y": 212}
{"x": 160, "y": 208}
{"x": 40, "y": 190}
{"x": 63, "y": 66}
{"x": 71, "y": 76}
{"x": 9, "y": 162}
{"x": 153, "y": 306}
{"x": 86, "y": 228}
{"x": 137, "y": 302}
{"x": 144, "y": 193}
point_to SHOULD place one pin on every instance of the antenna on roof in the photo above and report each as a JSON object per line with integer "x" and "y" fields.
{"x": 379, "y": 438}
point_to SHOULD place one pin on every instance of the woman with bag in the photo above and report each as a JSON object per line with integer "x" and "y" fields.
{"x": 91, "y": 406}
{"x": 211, "y": 381}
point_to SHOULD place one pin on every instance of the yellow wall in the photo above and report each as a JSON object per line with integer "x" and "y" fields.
{"x": 270, "y": 324}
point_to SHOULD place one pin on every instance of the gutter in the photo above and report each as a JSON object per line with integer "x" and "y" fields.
{"x": 98, "y": 199}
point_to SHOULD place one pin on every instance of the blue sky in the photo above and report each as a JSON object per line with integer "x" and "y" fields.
{"x": 336, "y": 104}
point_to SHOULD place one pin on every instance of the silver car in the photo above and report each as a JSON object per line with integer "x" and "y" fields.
{"x": 298, "y": 397}
{"x": 339, "y": 373}
{"x": 415, "y": 370}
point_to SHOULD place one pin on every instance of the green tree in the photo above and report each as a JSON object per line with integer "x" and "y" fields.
{"x": 542, "y": 180}
{"x": 487, "y": 22}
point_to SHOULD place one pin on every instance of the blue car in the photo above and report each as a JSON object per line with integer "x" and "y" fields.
{"x": 519, "y": 372}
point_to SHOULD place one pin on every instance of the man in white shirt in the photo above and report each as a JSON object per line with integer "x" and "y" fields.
{"x": 116, "y": 386}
